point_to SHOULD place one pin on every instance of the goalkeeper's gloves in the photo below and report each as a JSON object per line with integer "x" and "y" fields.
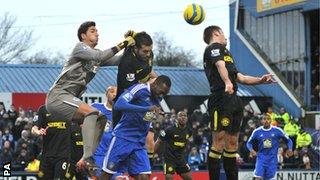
{"x": 130, "y": 33}
{"x": 129, "y": 41}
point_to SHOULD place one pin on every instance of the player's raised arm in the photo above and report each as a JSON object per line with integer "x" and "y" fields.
{"x": 88, "y": 36}
{"x": 123, "y": 102}
{"x": 250, "y": 80}
{"x": 82, "y": 51}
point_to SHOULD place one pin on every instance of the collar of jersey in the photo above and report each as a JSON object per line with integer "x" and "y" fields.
{"x": 266, "y": 129}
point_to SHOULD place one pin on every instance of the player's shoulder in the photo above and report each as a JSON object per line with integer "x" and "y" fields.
{"x": 215, "y": 50}
{"x": 127, "y": 56}
{"x": 139, "y": 87}
{"x": 81, "y": 46}
{"x": 215, "y": 46}
{"x": 275, "y": 128}
{"x": 258, "y": 129}
{"x": 42, "y": 110}
{"x": 96, "y": 104}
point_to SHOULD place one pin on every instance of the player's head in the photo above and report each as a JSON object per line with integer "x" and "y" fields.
{"x": 266, "y": 120}
{"x": 182, "y": 118}
{"x": 214, "y": 34}
{"x": 111, "y": 93}
{"x": 143, "y": 46}
{"x": 161, "y": 86}
{"x": 88, "y": 33}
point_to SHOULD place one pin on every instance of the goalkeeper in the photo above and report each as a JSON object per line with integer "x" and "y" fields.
{"x": 138, "y": 104}
{"x": 63, "y": 99}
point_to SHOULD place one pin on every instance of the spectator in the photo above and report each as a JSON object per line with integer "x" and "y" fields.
{"x": 13, "y": 114}
{"x": 22, "y": 160}
{"x": 21, "y": 118}
{"x": 293, "y": 161}
{"x": 203, "y": 151}
{"x": 1, "y": 140}
{"x": 194, "y": 127}
{"x": 194, "y": 159}
{"x": 6, "y": 154}
{"x": 2, "y": 109}
{"x": 280, "y": 158}
{"x": 306, "y": 160}
{"x": 20, "y": 123}
{"x": 173, "y": 119}
{"x": 284, "y": 115}
{"x": 197, "y": 137}
{"x": 251, "y": 126}
{"x": 304, "y": 139}
{"x": 6, "y": 120}
{"x": 25, "y": 143}
{"x": 272, "y": 115}
{"x": 7, "y": 136}
{"x": 167, "y": 122}
{"x": 29, "y": 113}
{"x": 33, "y": 166}
{"x": 291, "y": 129}
{"x": 247, "y": 115}
{"x": 196, "y": 116}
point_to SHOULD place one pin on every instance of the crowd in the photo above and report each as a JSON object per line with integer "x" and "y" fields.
{"x": 18, "y": 146}
{"x": 304, "y": 147}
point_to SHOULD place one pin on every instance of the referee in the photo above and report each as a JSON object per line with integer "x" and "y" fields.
{"x": 54, "y": 162}
{"x": 224, "y": 106}
{"x": 176, "y": 139}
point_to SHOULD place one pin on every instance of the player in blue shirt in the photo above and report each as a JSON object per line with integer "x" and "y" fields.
{"x": 268, "y": 138}
{"x": 106, "y": 110}
{"x": 139, "y": 105}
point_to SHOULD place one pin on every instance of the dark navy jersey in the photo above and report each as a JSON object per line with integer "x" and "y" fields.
{"x": 56, "y": 143}
{"x": 176, "y": 140}
{"x": 76, "y": 142}
{"x": 135, "y": 121}
{"x": 212, "y": 54}
{"x": 131, "y": 70}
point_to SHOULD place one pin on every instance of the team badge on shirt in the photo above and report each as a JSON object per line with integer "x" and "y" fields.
{"x": 162, "y": 133}
{"x": 267, "y": 143}
{"x": 225, "y": 121}
{"x": 130, "y": 77}
{"x": 215, "y": 52}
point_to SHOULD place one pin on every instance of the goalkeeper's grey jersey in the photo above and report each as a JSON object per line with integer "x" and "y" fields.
{"x": 80, "y": 69}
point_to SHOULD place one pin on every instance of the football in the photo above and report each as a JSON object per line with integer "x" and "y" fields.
{"x": 194, "y": 14}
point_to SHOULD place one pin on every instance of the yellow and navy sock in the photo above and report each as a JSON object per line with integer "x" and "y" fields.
{"x": 229, "y": 164}
{"x": 214, "y": 158}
